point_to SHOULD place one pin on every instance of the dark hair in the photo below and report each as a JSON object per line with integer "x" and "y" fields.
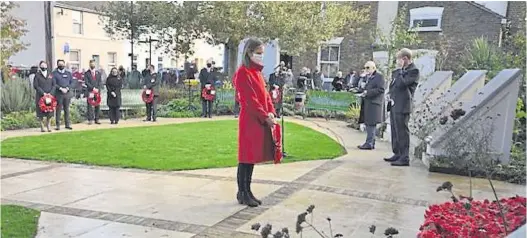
{"x": 250, "y": 46}
{"x": 153, "y": 67}
{"x": 92, "y": 61}
{"x": 42, "y": 61}
{"x": 60, "y": 60}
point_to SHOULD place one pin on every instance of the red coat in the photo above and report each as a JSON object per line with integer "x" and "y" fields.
{"x": 255, "y": 140}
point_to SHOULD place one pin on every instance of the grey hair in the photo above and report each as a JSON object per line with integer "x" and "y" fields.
{"x": 250, "y": 46}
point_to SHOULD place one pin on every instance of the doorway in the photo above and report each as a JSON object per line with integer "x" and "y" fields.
{"x": 288, "y": 60}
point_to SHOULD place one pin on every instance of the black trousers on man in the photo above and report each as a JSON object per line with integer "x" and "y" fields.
{"x": 63, "y": 103}
{"x": 93, "y": 112}
{"x": 151, "y": 109}
{"x": 400, "y": 135}
{"x": 206, "y": 108}
{"x": 115, "y": 114}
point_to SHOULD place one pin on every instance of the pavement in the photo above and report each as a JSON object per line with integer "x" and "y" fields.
{"x": 356, "y": 190}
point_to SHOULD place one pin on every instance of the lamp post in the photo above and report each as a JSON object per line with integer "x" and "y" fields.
{"x": 131, "y": 35}
{"x": 149, "y": 41}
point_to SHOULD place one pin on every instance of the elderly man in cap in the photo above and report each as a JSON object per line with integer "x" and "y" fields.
{"x": 402, "y": 88}
{"x": 206, "y": 77}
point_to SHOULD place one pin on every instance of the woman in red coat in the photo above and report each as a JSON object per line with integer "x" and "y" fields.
{"x": 257, "y": 118}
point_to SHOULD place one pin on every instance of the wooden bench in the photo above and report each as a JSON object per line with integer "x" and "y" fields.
{"x": 130, "y": 100}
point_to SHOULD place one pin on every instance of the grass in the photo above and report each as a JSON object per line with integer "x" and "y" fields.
{"x": 170, "y": 147}
{"x": 19, "y": 222}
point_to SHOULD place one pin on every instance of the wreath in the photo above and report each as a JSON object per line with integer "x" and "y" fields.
{"x": 277, "y": 139}
{"x": 275, "y": 94}
{"x": 208, "y": 92}
{"x": 94, "y": 98}
{"x": 148, "y": 95}
{"x": 47, "y": 103}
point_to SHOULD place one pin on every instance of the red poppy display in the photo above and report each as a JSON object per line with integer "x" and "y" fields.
{"x": 276, "y": 95}
{"x": 277, "y": 138}
{"x": 473, "y": 219}
{"x": 47, "y": 103}
{"x": 147, "y": 95}
{"x": 94, "y": 98}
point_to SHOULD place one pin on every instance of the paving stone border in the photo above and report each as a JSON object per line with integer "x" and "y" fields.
{"x": 30, "y": 171}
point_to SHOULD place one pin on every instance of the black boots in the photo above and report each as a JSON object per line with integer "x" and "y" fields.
{"x": 244, "y": 195}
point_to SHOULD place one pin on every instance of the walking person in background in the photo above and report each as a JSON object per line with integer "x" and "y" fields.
{"x": 103, "y": 74}
{"x": 114, "y": 83}
{"x": 122, "y": 75}
{"x": 44, "y": 85}
{"x": 152, "y": 83}
{"x": 257, "y": 119}
{"x": 372, "y": 103}
{"x": 64, "y": 83}
{"x": 402, "y": 89}
{"x": 93, "y": 81}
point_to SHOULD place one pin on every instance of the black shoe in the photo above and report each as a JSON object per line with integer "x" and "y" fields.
{"x": 247, "y": 200}
{"x": 69, "y": 128}
{"x": 401, "y": 162}
{"x": 392, "y": 159}
{"x": 236, "y": 116}
{"x": 97, "y": 122}
{"x": 111, "y": 122}
{"x": 57, "y": 128}
{"x": 145, "y": 120}
{"x": 154, "y": 120}
{"x": 366, "y": 147}
{"x": 116, "y": 123}
{"x": 42, "y": 130}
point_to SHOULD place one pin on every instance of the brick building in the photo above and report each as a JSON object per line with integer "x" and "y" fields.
{"x": 442, "y": 23}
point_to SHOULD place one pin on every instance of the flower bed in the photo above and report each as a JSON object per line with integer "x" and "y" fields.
{"x": 473, "y": 219}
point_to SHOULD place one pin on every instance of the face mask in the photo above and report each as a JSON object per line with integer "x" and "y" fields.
{"x": 209, "y": 65}
{"x": 258, "y": 58}
{"x": 114, "y": 74}
{"x": 43, "y": 68}
{"x": 61, "y": 67}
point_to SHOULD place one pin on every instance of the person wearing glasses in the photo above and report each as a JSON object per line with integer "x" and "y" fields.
{"x": 372, "y": 95}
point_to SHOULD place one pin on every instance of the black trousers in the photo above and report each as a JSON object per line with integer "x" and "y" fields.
{"x": 63, "y": 103}
{"x": 151, "y": 109}
{"x": 206, "y": 108}
{"x": 400, "y": 134}
{"x": 93, "y": 112}
{"x": 114, "y": 113}
{"x": 236, "y": 108}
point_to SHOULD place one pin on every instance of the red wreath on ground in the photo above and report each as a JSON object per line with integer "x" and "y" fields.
{"x": 208, "y": 93}
{"x": 96, "y": 99}
{"x": 275, "y": 95}
{"x": 147, "y": 98}
{"x": 277, "y": 138}
{"x": 47, "y": 107}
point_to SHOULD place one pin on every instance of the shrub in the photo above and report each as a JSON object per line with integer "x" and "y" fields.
{"x": 17, "y": 95}
{"x": 168, "y": 94}
{"x": 179, "y": 108}
{"x": 19, "y": 120}
{"x": 353, "y": 115}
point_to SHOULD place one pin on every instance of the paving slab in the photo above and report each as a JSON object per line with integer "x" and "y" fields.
{"x": 10, "y": 166}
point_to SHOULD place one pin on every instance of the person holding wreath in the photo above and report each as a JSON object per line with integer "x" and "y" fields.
{"x": 256, "y": 125}
{"x": 93, "y": 81}
{"x": 44, "y": 86}
{"x": 114, "y": 83}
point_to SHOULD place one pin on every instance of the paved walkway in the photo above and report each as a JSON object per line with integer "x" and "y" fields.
{"x": 356, "y": 191}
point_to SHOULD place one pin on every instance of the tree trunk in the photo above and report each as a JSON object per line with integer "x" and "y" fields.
{"x": 233, "y": 58}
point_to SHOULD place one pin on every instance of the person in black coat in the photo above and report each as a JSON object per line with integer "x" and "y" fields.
{"x": 43, "y": 84}
{"x": 402, "y": 88}
{"x": 114, "y": 83}
{"x": 93, "y": 81}
{"x": 63, "y": 85}
{"x": 338, "y": 82}
{"x": 206, "y": 76}
{"x": 152, "y": 82}
{"x": 372, "y": 103}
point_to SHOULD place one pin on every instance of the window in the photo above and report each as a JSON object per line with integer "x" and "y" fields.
{"x": 135, "y": 57}
{"x": 159, "y": 59}
{"x": 328, "y": 60}
{"x": 75, "y": 59}
{"x": 77, "y": 22}
{"x": 426, "y": 18}
{"x": 112, "y": 59}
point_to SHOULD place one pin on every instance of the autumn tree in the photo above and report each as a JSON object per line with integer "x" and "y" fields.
{"x": 298, "y": 26}
{"x": 12, "y": 30}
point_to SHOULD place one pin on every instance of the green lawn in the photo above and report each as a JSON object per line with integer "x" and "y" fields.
{"x": 170, "y": 147}
{"x": 19, "y": 222}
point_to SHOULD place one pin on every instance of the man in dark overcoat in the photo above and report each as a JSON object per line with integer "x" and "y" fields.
{"x": 93, "y": 81}
{"x": 152, "y": 82}
{"x": 372, "y": 103}
{"x": 402, "y": 89}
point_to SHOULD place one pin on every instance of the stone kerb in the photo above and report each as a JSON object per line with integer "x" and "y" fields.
{"x": 435, "y": 86}
{"x": 493, "y": 105}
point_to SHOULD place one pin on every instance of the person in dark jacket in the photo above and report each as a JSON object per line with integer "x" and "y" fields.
{"x": 93, "y": 81}
{"x": 206, "y": 76}
{"x": 372, "y": 103}
{"x": 43, "y": 84}
{"x": 63, "y": 85}
{"x": 338, "y": 82}
{"x": 152, "y": 83}
{"x": 317, "y": 78}
{"x": 277, "y": 80}
{"x": 191, "y": 70}
{"x": 114, "y": 83}
{"x": 402, "y": 88}
{"x": 122, "y": 75}
{"x": 135, "y": 78}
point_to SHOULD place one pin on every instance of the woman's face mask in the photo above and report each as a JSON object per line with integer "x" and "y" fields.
{"x": 257, "y": 58}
